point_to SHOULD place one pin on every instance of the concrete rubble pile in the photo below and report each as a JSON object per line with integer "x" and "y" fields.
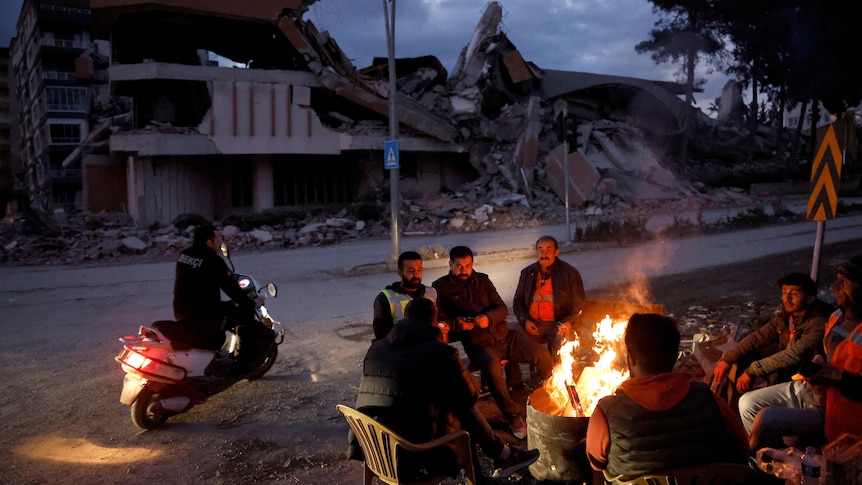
{"x": 104, "y": 237}
{"x": 497, "y": 107}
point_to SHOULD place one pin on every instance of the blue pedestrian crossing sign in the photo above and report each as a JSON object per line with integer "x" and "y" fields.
{"x": 390, "y": 154}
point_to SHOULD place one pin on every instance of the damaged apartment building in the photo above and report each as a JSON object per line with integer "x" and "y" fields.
{"x": 288, "y": 122}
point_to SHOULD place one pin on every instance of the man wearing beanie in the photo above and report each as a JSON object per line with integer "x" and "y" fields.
{"x": 843, "y": 344}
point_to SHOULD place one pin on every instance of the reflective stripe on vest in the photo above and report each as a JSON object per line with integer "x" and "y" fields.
{"x": 398, "y": 301}
{"x": 842, "y": 412}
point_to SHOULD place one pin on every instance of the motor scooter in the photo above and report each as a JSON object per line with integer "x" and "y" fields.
{"x": 165, "y": 376}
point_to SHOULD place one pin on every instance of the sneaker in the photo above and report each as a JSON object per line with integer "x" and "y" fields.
{"x": 518, "y": 426}
{"x": 518, "y": 459}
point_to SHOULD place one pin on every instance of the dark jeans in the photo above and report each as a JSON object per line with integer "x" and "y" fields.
{"x": 481, "y": 433}
{"x": 548, "y": 334}
{"x": 517, "y": 348}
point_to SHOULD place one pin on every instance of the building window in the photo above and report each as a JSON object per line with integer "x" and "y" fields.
{"x": 66, "y": 99}
{"x": 65, "y": 133}
{"x": 241, "y": 183}
{"x": 314, "y": 181}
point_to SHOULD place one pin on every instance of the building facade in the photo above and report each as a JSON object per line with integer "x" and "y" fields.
{"x": 53, "y": 106}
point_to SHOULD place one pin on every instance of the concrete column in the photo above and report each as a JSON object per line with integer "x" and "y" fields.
{"x": 132, "y": 190}
{"x": 262, "y": 187}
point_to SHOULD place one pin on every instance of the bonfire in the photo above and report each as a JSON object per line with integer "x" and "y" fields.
{"x": 583, "y": 376}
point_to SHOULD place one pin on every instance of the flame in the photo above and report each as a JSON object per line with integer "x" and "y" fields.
{"x": 592, "y": 374}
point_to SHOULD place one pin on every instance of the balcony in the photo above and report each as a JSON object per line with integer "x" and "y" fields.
{"x": 65, "y": 175}
{"x": 64, "y": 44}
{"x": 62, "y": 15}
{"x": 71, "y": 44}
{"x": 58, "y": 76}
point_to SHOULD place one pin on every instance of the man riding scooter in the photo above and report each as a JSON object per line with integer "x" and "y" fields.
{"x": 200, "y": 275}
{"x": 172, "y": 366}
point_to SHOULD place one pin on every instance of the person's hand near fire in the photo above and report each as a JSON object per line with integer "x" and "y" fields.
{"x": 819, "y": 374}
{"x": 531, "y": 327}
{"x": 563, "y": 328}
{"x": 444, "y": 330}
{"x": 744, "y": 381}
{"x": 720, "y": 373}
{"x": 468, "y": 323}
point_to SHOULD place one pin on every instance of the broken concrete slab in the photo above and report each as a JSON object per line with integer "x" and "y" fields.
{"x": 582, "y": 177}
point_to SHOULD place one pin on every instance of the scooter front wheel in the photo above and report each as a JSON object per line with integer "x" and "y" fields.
{"x": 265, "y": 365}
{"x": 147, "y": 412}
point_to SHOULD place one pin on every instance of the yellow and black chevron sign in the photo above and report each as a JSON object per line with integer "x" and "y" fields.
{"x": 825, "y": 174}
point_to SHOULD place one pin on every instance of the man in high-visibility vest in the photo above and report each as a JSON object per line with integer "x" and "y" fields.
{"x": 844, "y": 383}
{"x": 390, "y": 303}
{"x": 835, "y": 381}
{"x": 549, "y": 298}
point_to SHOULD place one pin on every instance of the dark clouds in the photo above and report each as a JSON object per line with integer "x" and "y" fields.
{"x": 575, "y": 35}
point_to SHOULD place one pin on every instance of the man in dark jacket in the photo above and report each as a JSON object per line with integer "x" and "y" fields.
{"x": 776, "y": 350}
{"x": 390, "y": 303}
{"x": 476, "y": 315}
{"x": 658, "y": 418}
{"x": 549, "y": 297}
{"x": 416, "y": 385}
{"x": 200, "y": 275}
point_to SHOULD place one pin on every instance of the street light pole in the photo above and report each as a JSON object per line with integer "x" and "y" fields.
{"x": 561, "y": 112}
{"x": 394, "y": 173}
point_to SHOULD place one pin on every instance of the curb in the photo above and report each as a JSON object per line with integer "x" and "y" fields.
{"x": 489, "y": 257}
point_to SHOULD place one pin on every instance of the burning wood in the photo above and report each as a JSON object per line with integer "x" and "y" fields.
{"x": 575, "y": 400}
{"x": 583, "y": 376}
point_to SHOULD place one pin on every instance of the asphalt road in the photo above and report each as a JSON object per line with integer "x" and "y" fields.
{"x": 60, "y": 327}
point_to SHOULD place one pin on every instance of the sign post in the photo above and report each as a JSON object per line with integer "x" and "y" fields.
{"x": 390, "y": 154}
{"x": 561, "y": 110}
{"x": 823, "y": 202}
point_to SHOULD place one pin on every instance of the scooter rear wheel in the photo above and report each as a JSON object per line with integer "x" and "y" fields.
{"x": 147, "y": 412}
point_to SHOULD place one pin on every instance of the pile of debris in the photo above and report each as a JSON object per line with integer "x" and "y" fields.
{"x": 107, "y": 237}
{"x": 709, "y": 328}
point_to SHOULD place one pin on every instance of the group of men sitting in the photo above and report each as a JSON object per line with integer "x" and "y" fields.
{"x": 800, "y": 375}
{"x": 415, "y": 382}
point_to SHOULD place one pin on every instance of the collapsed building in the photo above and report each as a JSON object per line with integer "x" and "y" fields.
{"x": 292, "y": 124}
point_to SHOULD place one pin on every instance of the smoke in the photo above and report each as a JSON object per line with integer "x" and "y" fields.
{"x": 645, "y": 261}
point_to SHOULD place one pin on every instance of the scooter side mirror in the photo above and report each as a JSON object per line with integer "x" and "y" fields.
{"x": 224, "y": 250}
{"x": 272, "y": 289}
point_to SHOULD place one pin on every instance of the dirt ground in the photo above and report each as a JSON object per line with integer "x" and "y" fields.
{"x": 279, "y": 429}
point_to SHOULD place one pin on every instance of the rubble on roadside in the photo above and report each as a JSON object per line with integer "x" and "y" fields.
{"x": 707, "y": 332}
{"x": 67, "y": 239}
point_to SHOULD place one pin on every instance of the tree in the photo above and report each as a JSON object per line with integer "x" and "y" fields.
{"x": 796, "y": 48}
{"x": 685, "y": 33}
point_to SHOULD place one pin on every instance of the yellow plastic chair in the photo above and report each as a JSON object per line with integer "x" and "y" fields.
{"x": 379, "y": 446}
{"x": 706, "y": 474}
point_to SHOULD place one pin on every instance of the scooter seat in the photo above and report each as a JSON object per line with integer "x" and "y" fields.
{"x": 181, "y": 336}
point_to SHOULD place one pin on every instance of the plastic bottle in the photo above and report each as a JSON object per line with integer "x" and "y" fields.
{"x": 811, "y": 467}
{"x": 784, "y": 464}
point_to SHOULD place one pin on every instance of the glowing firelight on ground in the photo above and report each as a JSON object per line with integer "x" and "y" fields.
{"x": 592, "y": 380}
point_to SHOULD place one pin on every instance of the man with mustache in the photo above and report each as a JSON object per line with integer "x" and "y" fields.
{"x": 469, "y": 303}
{"x": 549, "y": 297}
{"x": 390, "y": 303}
